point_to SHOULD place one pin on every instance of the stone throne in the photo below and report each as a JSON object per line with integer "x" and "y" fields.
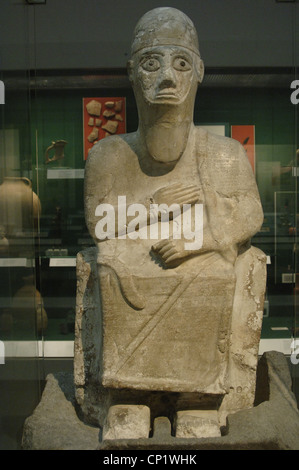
{"x": 241, "y": 353}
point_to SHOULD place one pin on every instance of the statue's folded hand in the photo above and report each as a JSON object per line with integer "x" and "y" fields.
{"x": 170, "y": 252}
{"x": 178, "y": 193}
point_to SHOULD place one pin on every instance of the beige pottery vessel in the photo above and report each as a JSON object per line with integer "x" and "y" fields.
{"x": 19, "y": 206}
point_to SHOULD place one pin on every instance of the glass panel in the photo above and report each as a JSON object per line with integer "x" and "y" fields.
{"x": 295, "y": 349}
{"x": 20, "y": 302}
{"x": 268, "y": 113}
{"x": 58, "y": 178}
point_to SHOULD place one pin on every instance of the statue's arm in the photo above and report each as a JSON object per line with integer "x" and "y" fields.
{"x": 98, "y": 181}
{"x": 240, "y": 210}
{"x": 230, "y": 220}
{"x": 101, "y": 172}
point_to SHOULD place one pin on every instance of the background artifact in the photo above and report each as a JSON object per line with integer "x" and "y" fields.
{"x": 107, "y": 115}
{"x": 4, "y": 244}
{"x": 27, "y": 308}
{"x": 58, "y": 147}
{"x": 20, "y": 207}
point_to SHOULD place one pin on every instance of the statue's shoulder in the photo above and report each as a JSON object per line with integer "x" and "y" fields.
{"x": 110, "y": 151}
{"x": 220, "y": 148}
{"x": 225, "y": 162}
{"x": 219, "y": 143}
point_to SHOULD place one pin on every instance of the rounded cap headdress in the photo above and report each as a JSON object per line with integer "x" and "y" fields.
{"x": 165, "y": 27}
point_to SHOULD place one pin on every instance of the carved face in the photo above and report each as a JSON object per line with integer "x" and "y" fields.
{"x": 165, "y": 74}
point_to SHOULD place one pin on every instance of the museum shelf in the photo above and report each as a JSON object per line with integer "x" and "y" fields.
{"x": 65, "y": 173}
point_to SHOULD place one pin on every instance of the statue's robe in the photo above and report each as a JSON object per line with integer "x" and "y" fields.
{"x": 169, "y": 329}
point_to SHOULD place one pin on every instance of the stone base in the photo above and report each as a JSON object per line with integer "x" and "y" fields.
{"x": 272, "y": 424}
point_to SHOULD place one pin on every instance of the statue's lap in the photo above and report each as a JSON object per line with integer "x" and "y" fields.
{"x": 179, "y": 340}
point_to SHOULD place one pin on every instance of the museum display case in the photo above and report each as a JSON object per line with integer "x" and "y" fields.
{"x": 50, "y": 120}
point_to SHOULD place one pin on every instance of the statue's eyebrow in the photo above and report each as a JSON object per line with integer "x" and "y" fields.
{"x": 182, "y": 52}
{"x": 161, "y": 52}
{"x": 152, "y": 51}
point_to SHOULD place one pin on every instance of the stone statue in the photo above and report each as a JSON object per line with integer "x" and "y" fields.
{"x": 168, "y": 324}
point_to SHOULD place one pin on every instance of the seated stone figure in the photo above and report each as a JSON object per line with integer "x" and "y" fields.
{"x": 167, "y": 319}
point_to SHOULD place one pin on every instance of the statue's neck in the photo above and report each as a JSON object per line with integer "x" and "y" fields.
{"x": 166, "y": 136}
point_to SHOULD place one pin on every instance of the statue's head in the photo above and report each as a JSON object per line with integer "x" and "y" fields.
{"x": 165, "y": 65}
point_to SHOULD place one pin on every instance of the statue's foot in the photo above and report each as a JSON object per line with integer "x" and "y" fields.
{"x": 127, "y": 422}
{"x": 197, "y": 423}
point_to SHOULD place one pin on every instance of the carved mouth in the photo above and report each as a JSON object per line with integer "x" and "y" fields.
{"x": 166, "y": 94}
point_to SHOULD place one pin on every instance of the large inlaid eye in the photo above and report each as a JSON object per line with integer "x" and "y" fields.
{"x": 151, "y": 64}
{"x": 181, "y": 64}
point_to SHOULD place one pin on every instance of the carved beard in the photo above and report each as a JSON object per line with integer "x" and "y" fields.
{"x": 166, "y": 142}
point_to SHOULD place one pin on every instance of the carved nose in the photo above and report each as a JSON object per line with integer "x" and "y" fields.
{"x": 168, "y": 79}
{"x": 167, "y": 83}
